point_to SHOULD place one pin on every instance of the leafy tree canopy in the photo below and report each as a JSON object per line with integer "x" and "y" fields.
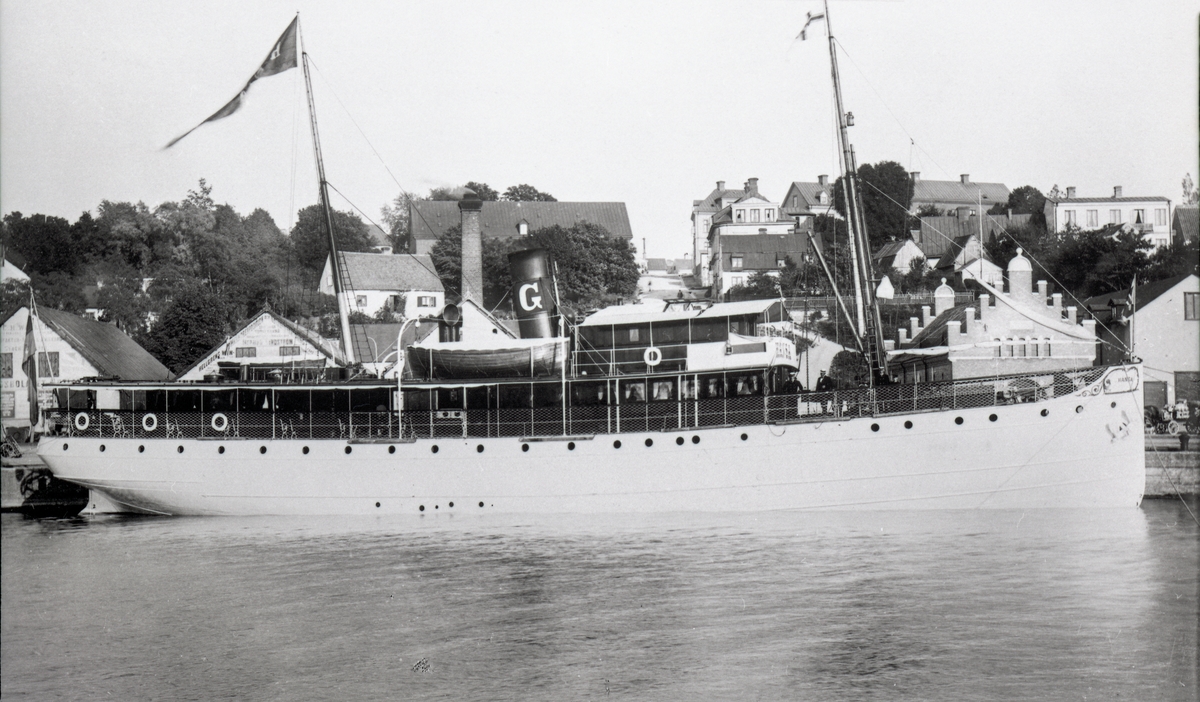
{"x": 310, "y": 242}
{"x": 885, "y": 190}
{"x": 188, "y": 328}
{"x": 527, "y": 193}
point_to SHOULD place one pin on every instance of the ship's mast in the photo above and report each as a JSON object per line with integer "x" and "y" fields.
{"x": 335, "y": 265}
{"x": 869, "y": 329}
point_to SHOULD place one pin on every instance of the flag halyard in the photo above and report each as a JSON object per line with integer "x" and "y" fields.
{"x": 283, "y": 56}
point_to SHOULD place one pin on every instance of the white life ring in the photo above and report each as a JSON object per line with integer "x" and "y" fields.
{"x": 82, "y": 421}
{"x": 221, "y": 420}
{"x": 149, "y": 422}
{"x": 652, "y": 356}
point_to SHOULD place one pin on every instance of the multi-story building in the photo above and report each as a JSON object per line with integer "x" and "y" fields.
{"x": 703, "y": 212}
{"x": 750, "y": 235}
{"x": 950, "y": 195}
{"x": 1149, "y": 215}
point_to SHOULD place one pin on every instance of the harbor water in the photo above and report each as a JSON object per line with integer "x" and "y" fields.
{"x": 984, "y": 605}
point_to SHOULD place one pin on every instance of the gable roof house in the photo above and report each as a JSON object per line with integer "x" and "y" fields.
{"x": 937, "y": 235}
{"x": 69, "y": 348}
{"x": 749, "y": 236}
{"x": 408, "y": 284}
{"x": 1146, "y": 214}
{"x": 703, "y": 212}
{"x": 500, "y": 219}
{"x": 809, "y": 199}
{"x": 1166, "y": 322}
{"x": 1020, "y": 333}
{"x": 953, "y": 194}
{"x": 268, "y": 345}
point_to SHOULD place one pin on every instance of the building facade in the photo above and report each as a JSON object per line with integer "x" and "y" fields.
{"x": 1149, "y": 215}
{"x": 950, "y": 195}
{"x": 268, "y": 343}
{"x": 407, "y": 284}
{"x": 750, "y": 235}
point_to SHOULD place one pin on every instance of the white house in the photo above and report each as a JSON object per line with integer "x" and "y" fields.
{"x": 899, "y": 255}
{"x": 703, "y": 212}
{"x": 1164, "y": 328}
{"x": 750, "y": 235}
{"x": 268, "y": 343}
{"x": 406, "y": 283}
{"x": 1148, "y": 214}
{"x": 10, "y": 271}
{"x": 69, "y": 348}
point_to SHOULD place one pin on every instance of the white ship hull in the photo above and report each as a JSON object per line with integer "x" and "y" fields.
{"x": 1086, "y": 449}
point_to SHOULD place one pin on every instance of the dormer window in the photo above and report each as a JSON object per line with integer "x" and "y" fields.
{"x": 755, "y": 214}
{"x": 523, "y": 228}
{"x": 823, "y": 198}
{"x": 740, "y": 216}
{"x": 768, "y": 215}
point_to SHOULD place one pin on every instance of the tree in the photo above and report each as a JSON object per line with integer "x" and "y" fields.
{"x": 885, "y": 191}
{"x": 929, "y": 211}
{"x": 192, "y": 325}
{"x": 527, "y": 193}
{"x": 310, "y": 242}
{"x": 125, "y": 305}
{"x": 760, "y": 286}
{"x": 44, "y": 241}
{"x": 1191, "y": 196}
{"x": 396, "y": 217}
{"x": 1024, "y": 200}
{"x": 483, "y": 191}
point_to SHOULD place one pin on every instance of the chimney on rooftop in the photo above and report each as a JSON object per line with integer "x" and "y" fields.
{"x": 1117, "y": 191}
{"x": 720, "y": 185}
{"x": 916, "y": 176}
{"x": 469, "y": 208}
{"x": 1070, "y": 191}
{"x": 823, "y": 181}
{"x": 965, "y": 178}
{"x": 752, "y": 186}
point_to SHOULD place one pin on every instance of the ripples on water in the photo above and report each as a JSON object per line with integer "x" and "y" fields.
{"x": 945, "y": 605}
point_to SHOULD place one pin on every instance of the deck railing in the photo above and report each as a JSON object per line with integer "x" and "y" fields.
{"x": 653, "y": 416}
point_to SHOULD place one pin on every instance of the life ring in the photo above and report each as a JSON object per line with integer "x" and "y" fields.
{"x": 149, "y": 422}
{"x": 652, "y": 356}
{"x": 219, "y": 422}
{"x": 82, "y": 421}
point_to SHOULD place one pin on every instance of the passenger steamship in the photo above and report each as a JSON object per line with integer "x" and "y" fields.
{"x": 633, "y": 409}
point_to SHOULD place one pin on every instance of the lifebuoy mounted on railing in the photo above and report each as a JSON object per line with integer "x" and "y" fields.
{"x": 82, "y": 421}
{"x": 219, "y": 422}
{"x": 149, "y": 422}
{"x": 652, "y": 356}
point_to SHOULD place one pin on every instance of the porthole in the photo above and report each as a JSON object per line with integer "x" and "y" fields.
{"x": 570, "y": 445}
{"x": 141, "y": 449}
{"x": 1113, "y": 405}
{"x": 992, "y": 418}
{"x": 451, "y": 504}
{"x": 480, "y": 504}
{"x": 649, "y": 442}
{"x": 64, "y": 447}
{"x": 179, "y": 450}
{"x": 435, "y": 506}
{"x": 348, "y": 450}
{"x": 908, "y": 424}
{"x": 1078, "y": 409}
{"x": 391, "y": 449}
{"x": 479, "y": 448}
{"x": 1045, "y": 413}
{"x": 679, "y": 441}
{"x": 376, "y": 505}
{"x": 262, "y": 449}
{"x": 304, "y": 450}
{"x": 695, "y": 439}
{"x": 958, "y": 420}
{"x": 525, "y": 448}
{"x": 874, "y": 427}
{"x": 617, "y": 443}
{"x": 101, "y": 448}
{"x": 220, "y": 449}
{"x": 744, "y": 437}
{"x": 433, "y": 448}
{"x": 422, "y": 508}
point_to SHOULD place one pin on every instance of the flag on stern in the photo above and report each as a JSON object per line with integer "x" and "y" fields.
{"x": 29, "y": 365}
{"x": 282, "y": 57}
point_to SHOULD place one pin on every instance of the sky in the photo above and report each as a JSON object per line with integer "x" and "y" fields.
{"x": 646, "y": 103}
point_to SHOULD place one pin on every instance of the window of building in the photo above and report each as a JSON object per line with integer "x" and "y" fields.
{"x": 1114, "y": 216}
{"x": 360, "y": 300}
{"x": 1160, "y": 242}
{"x": 780, "y": 261}
{"x": 6, "y": 368}
{"x": 735, "y": 262}
{"x": 1093, "y": 218}
{"x": 48, "y": 364}
{"x": 523, "y": 228}
{"x": 1069, "y": 217}
{"x": 740, "y": 216}
{"x": 768, "y": 215}
{"x": 737, "y": 279}
{"x": 795, "y": 201}
{"x": 1160, "y": 217}
{"x": 823, "y": 198}
{"x": 1191, "y": 307}
{"x": 754, "y": 215}
{"x": 426, "y": 301}
{"x": 1139, "y": 216}
{"x": 245, "y": 352}
{"x": 289, "y": 350}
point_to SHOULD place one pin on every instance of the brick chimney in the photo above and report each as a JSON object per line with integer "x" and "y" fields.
{"x": 965, "y": 179}
{"x": 823, "y": 181}
{"x": 720, "y": 185}
{"x": 1070, "y": 191}
{"x": 752, "y": 186}
{"x": 1117, "y": 191}
{"x": 915, "y": 175}
{"x": 472, "y": 247}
